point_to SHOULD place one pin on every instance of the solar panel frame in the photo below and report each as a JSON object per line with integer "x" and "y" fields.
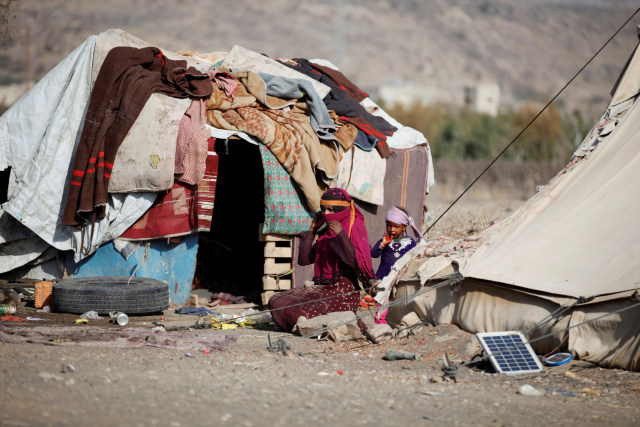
{"x": 510, "y": 353}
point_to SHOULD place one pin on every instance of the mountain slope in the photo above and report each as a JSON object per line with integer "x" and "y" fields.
{"x": 530, "y": 48}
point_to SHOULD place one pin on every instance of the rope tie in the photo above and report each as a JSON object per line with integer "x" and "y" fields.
{"x": 449, "y": 370}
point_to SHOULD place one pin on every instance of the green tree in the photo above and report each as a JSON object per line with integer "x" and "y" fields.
{"x": 545, "y": 138}
{"x": 465, "y": 134}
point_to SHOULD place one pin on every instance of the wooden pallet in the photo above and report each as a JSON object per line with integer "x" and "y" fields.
{"x": 278, "y": 254}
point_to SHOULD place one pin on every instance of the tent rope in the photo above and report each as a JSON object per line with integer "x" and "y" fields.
{"x": 531, "y": 122}
{"x": 557, "y": 314}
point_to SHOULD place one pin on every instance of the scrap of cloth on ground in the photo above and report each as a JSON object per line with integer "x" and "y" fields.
{"x": 127, "y": 78}
{"x": 97, "y": 336}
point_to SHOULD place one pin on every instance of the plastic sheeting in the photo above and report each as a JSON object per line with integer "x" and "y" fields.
{"x": 38, "y": 138}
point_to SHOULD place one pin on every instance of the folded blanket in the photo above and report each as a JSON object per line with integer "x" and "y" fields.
{"x": 283, "y": 87}
{"x": 311, "y": 162}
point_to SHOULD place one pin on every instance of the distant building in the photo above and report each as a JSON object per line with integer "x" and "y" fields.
{"x": 400, "y": 93}
{"x": 482, "y": 98}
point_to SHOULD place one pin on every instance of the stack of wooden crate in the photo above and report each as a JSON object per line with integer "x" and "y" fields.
{"x": 278, "y": 253}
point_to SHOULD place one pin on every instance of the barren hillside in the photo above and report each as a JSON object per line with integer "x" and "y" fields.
{"x": 530, "y": 48}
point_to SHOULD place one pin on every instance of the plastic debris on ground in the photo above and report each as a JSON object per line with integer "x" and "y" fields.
{"x": 90, "y": 315}
{"x": 400, "y": 354}
{"x": 558, "y": 359}
{"x": 12, "y": 318}
{"x": 247, "y": 318}
{"x": 529, "y": 390}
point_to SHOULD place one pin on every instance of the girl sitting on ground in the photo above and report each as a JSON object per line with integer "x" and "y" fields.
{"x": 338, "y": 247}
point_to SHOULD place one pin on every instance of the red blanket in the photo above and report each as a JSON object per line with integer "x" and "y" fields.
{"x": 183, "y": 210}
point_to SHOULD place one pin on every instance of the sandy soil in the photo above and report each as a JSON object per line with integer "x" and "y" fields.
{"x": 85, "y": 377}
{"x": 318, "y": 382}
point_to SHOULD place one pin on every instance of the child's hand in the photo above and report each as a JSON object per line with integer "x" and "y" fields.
{"x": 386, "y": 239}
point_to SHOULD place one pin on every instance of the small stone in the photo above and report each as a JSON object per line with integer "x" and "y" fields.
{"x": 48, "y": 376}
{"x": 67, "y": 368}
{"x": 528, "y": 390}
{"x": 591, "y": 392}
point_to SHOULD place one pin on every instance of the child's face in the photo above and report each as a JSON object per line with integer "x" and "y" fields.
{"x": 395, "y": 230}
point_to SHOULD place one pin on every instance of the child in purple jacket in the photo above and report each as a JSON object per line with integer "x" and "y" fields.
{"x": 395, "y": 241}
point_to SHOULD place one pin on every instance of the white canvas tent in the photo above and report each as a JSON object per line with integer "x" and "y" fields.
{"x": 570, "y": 255}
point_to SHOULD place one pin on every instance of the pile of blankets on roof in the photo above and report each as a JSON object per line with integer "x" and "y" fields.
{"x": 121, "y": 146}
{"x": 307, "y": 130}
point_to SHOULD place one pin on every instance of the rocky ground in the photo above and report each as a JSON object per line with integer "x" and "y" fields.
{"x": 57, "y": 372}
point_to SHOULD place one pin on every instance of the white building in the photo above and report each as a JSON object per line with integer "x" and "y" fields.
{"x": 482, "y": 98}
{"x": 479, "y": 97}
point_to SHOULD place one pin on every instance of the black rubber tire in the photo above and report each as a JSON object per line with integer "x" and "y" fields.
{"x": 112, "y": 293}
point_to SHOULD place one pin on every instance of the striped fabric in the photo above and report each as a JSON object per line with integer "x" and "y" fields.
{"x": 284, "y": 210}
{"x": 183, "y": 210}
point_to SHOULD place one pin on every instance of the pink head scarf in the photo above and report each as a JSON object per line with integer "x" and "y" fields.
{"x": 399, "y": 217}
{"x": 352, "y": 221}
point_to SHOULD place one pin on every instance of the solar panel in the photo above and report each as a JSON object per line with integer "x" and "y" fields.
{"x": 510, "y": 352}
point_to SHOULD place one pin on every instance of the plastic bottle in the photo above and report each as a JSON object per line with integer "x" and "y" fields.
{"x": 7, "y": 309}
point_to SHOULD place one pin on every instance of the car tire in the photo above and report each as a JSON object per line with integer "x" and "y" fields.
{"x": 133, "y": 295}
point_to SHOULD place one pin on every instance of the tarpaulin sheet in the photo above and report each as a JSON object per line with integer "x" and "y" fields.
{"x": 38, "y": 137}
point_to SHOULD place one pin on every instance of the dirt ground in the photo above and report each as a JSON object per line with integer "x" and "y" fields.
{"x": 56, "y": 372}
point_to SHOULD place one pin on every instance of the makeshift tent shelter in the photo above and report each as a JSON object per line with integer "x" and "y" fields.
{"x": 565, "y": 267}
{"x": 243, "y": 168}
